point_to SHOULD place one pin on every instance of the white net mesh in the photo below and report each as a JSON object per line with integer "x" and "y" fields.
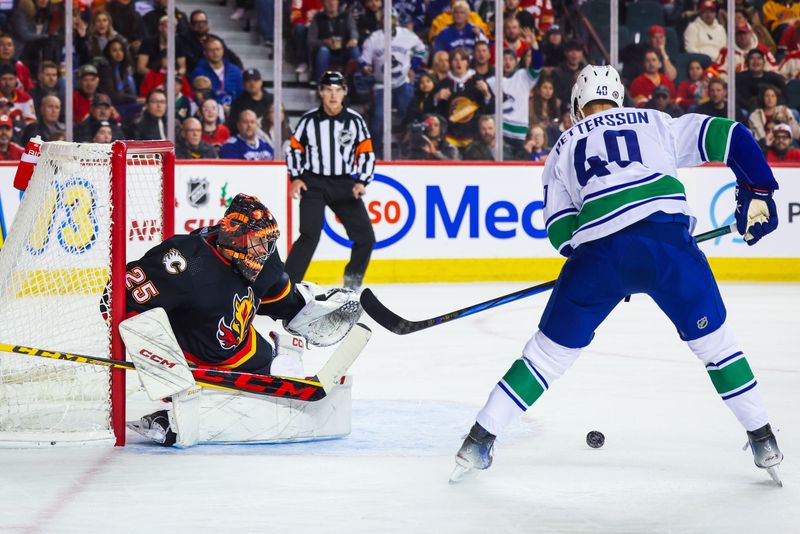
{"x": 55, "y": 290}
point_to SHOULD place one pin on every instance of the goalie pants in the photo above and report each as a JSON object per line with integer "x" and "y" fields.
{"x": 661, "y": 260}
{"x": 336, "y": 192}
{"x": 254, "y": 355}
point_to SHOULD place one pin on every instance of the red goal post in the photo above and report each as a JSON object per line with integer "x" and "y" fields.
{"x": 125, "y": 155}
{"x": 87, "y": 211}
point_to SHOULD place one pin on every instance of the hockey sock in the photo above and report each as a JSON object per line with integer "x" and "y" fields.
{"x": 542, "y": 362}
{"x": 731, "y": 376}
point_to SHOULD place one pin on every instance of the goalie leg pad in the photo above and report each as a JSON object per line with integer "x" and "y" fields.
{"x": 243, "y": 418}
{"x": 184, "y": 417}
{"x": 151, "y": 345}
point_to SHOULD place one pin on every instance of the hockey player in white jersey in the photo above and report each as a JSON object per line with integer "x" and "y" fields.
{"x": 408, "y": 53}
{"x": 517, "y": 85}
{"x": 614, "y": 207}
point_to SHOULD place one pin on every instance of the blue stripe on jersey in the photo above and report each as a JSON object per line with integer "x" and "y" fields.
{"x": 536, "y": 371}
{"x": 620, "y": 186}
{"x": 512, "y": 397}
{"x": 712, "y": 364}
{"x": 745, "y": 390}
{"x": 701, "y": 139}
{"x": 627, "y": 208}
{"x": 559, "y": 214}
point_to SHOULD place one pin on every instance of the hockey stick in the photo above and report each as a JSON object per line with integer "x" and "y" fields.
{"x": 396, "y": 324}
{"x": 344, "y": 356}
{"x": 268, "y": 385}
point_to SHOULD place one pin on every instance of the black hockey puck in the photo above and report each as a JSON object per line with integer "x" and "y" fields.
{"x": 595, "y": 439}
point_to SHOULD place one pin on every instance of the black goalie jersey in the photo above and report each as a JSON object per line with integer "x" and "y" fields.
{"x": 210, "y": 305}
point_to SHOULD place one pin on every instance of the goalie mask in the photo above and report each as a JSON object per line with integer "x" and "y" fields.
{"x": 249, "y": 233}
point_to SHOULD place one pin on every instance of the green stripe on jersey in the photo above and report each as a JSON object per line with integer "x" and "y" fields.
{"x": 515, "y": 128}
{"x": 732, "y": 376}
{"x": 560, "y": 231}
{"x": 717, "y": 134}
{"x": 522, "y": 382}
{"x": 597, "y": 208}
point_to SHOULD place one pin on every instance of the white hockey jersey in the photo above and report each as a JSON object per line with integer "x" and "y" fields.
{"x": 516, "y": 91}
{"x": 405, "y": 47}
{"x": 619, "y": 166}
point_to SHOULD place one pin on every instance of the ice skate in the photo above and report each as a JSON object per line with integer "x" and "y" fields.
{"x": 156, "y": 427}
{"x": 766, "y": 453}
{"x": 475, "y": 454}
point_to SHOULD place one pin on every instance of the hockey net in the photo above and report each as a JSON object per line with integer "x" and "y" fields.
{"x": 87, "y": 210}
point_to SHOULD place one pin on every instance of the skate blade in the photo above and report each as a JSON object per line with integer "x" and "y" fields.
{"x": 460, "y": 473}
{"x": 134, "y": 425}
{"x": 145, "y": 432}
{"x": 775, "y": 475}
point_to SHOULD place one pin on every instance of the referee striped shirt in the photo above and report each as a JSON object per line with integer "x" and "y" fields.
{"x": 331, "y": 145}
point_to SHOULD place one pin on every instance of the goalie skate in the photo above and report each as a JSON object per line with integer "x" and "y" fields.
{"x": 475, "y": 454}
{"x": 154, "y": 427}
{"x": 766, "y": 453}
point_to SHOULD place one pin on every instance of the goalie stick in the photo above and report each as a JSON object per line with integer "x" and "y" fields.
{"x": 312, "y": 389}
{"x": 396, "y": 324}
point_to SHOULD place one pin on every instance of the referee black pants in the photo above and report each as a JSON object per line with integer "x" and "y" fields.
{"x": 338, "y": 194}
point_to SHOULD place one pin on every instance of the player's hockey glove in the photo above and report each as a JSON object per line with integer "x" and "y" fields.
{"x": 756, "y": 215}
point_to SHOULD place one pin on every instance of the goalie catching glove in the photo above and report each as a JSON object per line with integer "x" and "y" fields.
{"x": 756, "y": 215}
{"x": 326, "y": 317}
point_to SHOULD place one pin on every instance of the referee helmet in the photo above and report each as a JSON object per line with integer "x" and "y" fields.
{"x": 333, "y": 77}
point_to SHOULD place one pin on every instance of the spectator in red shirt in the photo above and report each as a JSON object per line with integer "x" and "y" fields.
{"x": 8, "y": 150}
{"x": 542, "y": 11}
{"x": 7, "y": 55}
{"x": 214, "y": 132}
{"x": 512, "y": 36}
{"x": 692, "y": 92}
{"x": 21, "y": 102}
{"x": 781, "y": 150}
{"x": 790, "y": 37}
{"x": 84, "y": 95}
{"x": 158, "y": 78}
{"x": 633, "y": 54}
{"x": 88, "y": 80}
{"x": 643, "y": 85}
{"x": 302, "y": 13}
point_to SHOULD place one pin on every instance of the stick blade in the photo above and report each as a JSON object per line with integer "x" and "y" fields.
{"x": 344, "y": 356}
{"x": 383, "y": 315}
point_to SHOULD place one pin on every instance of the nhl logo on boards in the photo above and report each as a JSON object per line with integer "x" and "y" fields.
{"x": 197, "y": 193}
{"x": 345, "y": 137}
{"x": 702, "y": 323}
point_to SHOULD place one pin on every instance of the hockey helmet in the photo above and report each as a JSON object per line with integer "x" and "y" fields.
{"x": 333, "y": 77}
{"x": 595, "y": 83}
{"x": 249, "y": 233}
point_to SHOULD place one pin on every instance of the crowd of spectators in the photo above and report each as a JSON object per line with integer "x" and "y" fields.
{"x": 443, "y": 74}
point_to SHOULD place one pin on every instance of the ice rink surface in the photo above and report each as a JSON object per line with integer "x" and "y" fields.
{"x": 672, "y": 461}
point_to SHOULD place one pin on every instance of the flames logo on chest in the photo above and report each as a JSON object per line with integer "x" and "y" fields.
{"x": 231, "y": 334}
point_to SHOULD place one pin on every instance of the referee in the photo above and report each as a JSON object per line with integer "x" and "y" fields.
{"x": 331, "y": 142}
